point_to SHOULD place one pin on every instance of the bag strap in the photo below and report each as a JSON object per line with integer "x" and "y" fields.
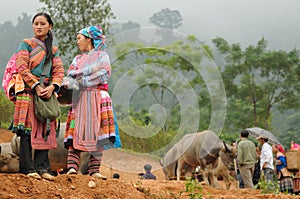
{"x": 42, "y": 79}
{"x": 45, "y": 70}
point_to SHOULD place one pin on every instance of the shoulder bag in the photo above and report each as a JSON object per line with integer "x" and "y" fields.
{"x": 45, "y": 109}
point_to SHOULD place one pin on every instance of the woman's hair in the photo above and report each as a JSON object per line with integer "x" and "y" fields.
{"x": 280, "y": 148}
{"x": 91, "y": 40}
{"x": 49, "y": 39}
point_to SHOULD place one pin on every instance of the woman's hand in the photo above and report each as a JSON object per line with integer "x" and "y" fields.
{"x": 45, "y": 92}
{"x": 38, "y": 90}
{"x": 278, "y": 162}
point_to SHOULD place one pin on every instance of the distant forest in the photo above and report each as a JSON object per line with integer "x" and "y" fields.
{"x": 261, "y": 86}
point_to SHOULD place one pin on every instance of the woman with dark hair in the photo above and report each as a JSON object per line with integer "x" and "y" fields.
{"x": 90, "y": 124}
{"x": 283, "y": 175}
{"x": 32, "y": 55}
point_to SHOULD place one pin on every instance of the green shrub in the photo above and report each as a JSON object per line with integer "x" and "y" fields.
{"x": 267, "y": 186}
{"x": 192, "y": 189}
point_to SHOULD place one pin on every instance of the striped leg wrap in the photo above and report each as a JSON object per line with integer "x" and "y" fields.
{"x": 95, "y": 162}
{"x": 73, "y": 159}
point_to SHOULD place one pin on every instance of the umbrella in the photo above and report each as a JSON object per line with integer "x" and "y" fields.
{"x": 256, "y": 131}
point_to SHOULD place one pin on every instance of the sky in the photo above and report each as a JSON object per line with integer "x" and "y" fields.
{"x": 237, "y": 21}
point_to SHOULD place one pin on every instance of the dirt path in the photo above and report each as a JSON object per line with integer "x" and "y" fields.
{"x": 129, "y": 186}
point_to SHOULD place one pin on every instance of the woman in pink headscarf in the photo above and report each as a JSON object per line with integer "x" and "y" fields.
{"x": 296, "y": 180}
{"x": 295, "y": 146}
{"x": 283, "y": 175}
{"x": 90, "y": 123}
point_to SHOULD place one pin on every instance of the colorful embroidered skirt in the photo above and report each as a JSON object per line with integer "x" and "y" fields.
{"x": 91, "y": 120}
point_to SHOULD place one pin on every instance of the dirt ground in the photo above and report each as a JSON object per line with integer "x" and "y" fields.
{"x": 128, "y": 186}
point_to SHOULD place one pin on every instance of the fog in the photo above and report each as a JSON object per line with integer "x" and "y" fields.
{"x": 237, "y": 21}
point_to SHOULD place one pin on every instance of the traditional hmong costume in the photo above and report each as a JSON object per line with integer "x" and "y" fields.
{"x": 31, "y": 56}
{"x": 296, "y": 183}
{"x": 90, "y": 123}
{"x": 284, "y": 176}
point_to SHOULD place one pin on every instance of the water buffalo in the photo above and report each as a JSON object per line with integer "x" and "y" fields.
{"x": 57, "y": 157}
{"x": 197, "y": 149}
{"x": 169, "y": 164}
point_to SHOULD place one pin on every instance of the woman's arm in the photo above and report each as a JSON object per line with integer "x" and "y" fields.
{"x": 97, "y": 73}
{"x": 281, "y": 160}
{"x": 57, "y": 71}
{"x": 23, "y": 60}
